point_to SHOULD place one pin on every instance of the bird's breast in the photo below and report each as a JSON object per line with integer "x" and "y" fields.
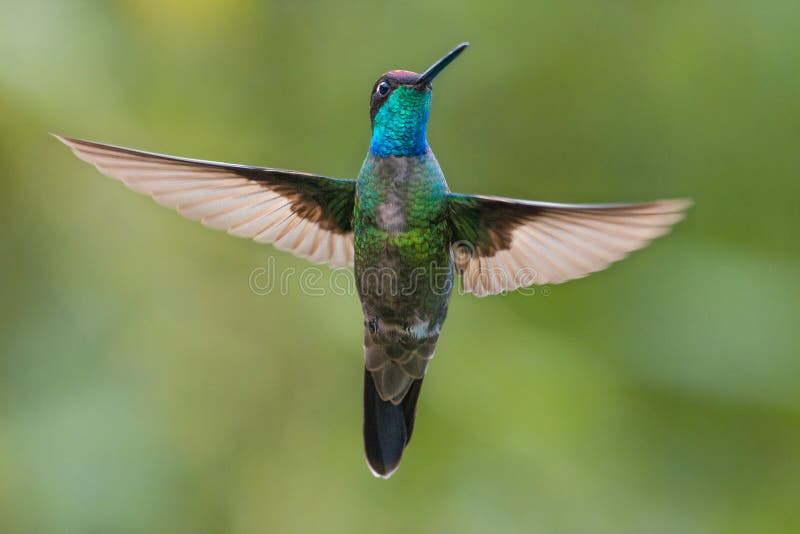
{"x": 391, "y": 217}
{"x": 399, "y": 193}
{"x": 400, "y": 216}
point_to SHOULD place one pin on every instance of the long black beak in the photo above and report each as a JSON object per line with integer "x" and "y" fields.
{"x": 428, "y": 76}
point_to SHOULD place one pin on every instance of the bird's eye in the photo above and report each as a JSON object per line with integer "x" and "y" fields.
{"x": 383, "y": 89}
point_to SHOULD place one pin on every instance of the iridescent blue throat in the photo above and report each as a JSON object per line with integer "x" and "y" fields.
{"x": 400, "y": 125}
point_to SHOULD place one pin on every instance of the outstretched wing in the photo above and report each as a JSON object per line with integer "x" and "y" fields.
{"x": 303, "y": 213}
{"x": 501, "y": 244}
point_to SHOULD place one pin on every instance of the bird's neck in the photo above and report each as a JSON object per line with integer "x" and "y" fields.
{"x": 400, "y": 126}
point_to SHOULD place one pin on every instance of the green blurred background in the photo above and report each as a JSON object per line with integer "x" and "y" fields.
{"x": 145, "y": 388}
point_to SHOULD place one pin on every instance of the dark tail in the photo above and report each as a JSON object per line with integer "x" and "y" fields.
{"x": 387, "y": 426}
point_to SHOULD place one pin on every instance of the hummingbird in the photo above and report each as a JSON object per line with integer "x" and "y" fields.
{"x": 406, "y": 234}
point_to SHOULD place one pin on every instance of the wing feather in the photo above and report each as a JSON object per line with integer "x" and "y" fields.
{"x": 516, "y": 243}
{"x": 295, "y": 211}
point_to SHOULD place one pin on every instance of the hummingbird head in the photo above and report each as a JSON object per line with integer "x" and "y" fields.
{"x": 399, "y": 108}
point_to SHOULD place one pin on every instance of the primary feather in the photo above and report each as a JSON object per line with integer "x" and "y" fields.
{"x": 502, "y": 244}
{"x": 306, "y": 214}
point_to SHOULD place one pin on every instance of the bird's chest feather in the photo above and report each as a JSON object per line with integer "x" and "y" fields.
{"x": 400, "y": 210}
{"x": 403, "y": 268}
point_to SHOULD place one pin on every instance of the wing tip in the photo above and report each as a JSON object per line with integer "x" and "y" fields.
{"x": 676, "y": 204}
{"x": 64, "y": 139}
{"x": 677, "y": 207}
{"x": 69, "y": 141}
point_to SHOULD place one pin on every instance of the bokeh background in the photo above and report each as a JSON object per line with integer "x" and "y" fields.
{"x": 145, "y": 388}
